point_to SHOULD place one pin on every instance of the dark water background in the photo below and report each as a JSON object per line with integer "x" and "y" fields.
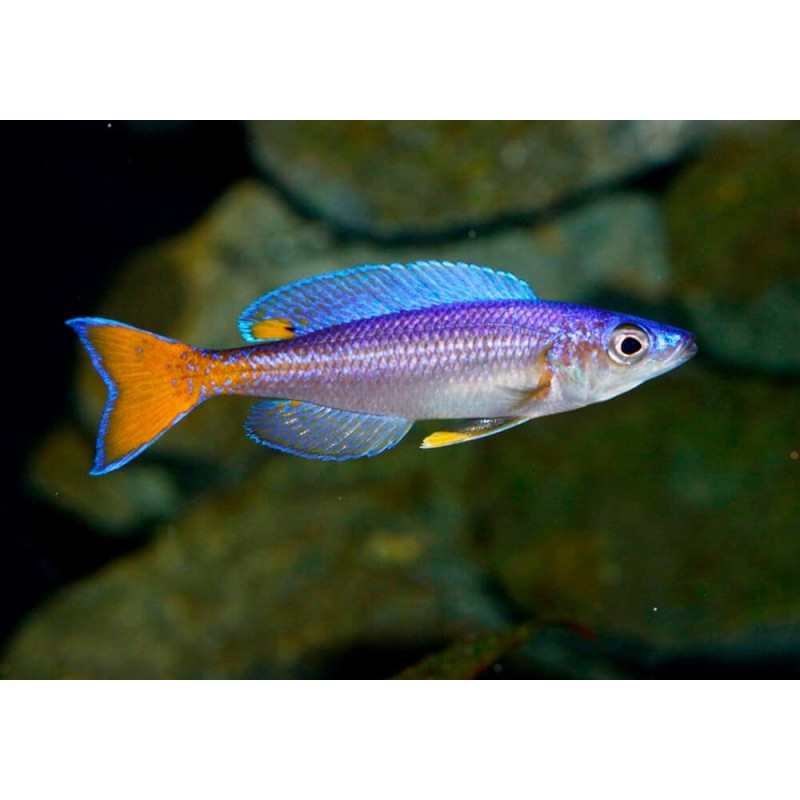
{"x": 654, "y": 536}
{"x": 81, "y": 197}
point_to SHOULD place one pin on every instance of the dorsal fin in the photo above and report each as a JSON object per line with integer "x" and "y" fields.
{"x": 372, "y": 290}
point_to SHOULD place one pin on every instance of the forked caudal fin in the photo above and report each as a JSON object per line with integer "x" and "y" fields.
{"x": 149, "y": 386}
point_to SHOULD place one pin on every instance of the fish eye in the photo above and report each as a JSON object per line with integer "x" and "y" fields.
{"x": 628, "y": 344}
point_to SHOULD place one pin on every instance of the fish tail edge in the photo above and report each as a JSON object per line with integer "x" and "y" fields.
{"x": 149, "y": 387}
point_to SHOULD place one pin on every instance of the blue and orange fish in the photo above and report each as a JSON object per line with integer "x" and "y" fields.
{"x": 348, "y": 361}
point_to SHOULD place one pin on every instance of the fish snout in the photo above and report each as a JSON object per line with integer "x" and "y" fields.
{"x": 688, "y": 347}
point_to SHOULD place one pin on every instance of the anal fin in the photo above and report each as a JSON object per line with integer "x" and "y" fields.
{"x": 472, "y": 430}
{"x": 312, "y": 431}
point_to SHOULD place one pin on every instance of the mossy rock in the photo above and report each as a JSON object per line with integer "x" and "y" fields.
{"x": 385, "y": 178}
{"x": 734, "y": 215}
{"x": 292, "y": 573}
{"x": 668, "y": 516}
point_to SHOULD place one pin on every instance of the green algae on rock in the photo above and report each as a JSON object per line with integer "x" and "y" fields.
{"x": 668, "y": 520}
{"x": 116, "y": 507}
{"x": 281, "y": 576}
{"x": 734, "y": 215}
{"x": 393, "y": 178}
{"x": 734, "y": 224}
{"x": 465, "y": 660}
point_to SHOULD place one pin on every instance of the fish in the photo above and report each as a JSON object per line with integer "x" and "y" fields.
{"x": 347, "y": 361}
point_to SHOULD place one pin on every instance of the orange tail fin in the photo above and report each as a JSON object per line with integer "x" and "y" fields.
{"x": 150, "y": 387}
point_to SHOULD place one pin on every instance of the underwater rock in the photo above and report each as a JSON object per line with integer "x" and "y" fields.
{"x": 129, "y": 500}
{"x": 760, "y": 336}
{"x": 304, "y": 570}
{"x": 617, "y": 244}
{"x": 465, "y": 660}
{"x": 654, "y": 519}
{"x": 734, "y": 224}
{"x": 667, "y": 516}
{"x": 194, "y": 286}
{"x": 395, "y": 178}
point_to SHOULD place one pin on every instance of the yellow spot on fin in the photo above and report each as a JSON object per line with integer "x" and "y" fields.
{"x": 443, "y": 439}
{"x": 272, "y": 329}
{"x": 475, "y": 429}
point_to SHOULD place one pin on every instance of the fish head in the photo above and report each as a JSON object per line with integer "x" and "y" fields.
{"x": 612, "y": 353}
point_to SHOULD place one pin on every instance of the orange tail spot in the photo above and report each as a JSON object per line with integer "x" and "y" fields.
{"x": 150, "y": 386}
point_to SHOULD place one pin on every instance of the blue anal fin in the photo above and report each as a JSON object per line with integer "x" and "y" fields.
{"x": 312, "y": 431}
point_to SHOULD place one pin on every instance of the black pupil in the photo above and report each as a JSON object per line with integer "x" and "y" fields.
{"x": 630, "y": 345}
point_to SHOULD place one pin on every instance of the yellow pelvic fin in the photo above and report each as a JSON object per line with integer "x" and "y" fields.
{"x": 474, "y": 429}
{"x": 272, "y": 329}
{"x": 443, "y": 439}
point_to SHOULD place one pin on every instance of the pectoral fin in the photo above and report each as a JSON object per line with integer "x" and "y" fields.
{"x": 526, "y": 399}
{"x": 474, "y": 429}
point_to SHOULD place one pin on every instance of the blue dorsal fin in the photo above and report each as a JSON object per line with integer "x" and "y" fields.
{"x": 373, "y": 290}
{"x": 312, "y": 431}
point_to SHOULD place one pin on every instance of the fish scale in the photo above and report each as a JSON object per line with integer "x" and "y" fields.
{"x": 368, "y": 366}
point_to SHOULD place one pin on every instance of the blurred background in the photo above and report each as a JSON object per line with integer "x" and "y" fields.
{"x": 657, "y": 535}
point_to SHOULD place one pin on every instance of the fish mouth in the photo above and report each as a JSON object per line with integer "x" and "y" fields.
{"x": 686, "y": 350}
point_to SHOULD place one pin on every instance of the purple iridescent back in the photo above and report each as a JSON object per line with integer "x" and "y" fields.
{"x": 475, "y": 359}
